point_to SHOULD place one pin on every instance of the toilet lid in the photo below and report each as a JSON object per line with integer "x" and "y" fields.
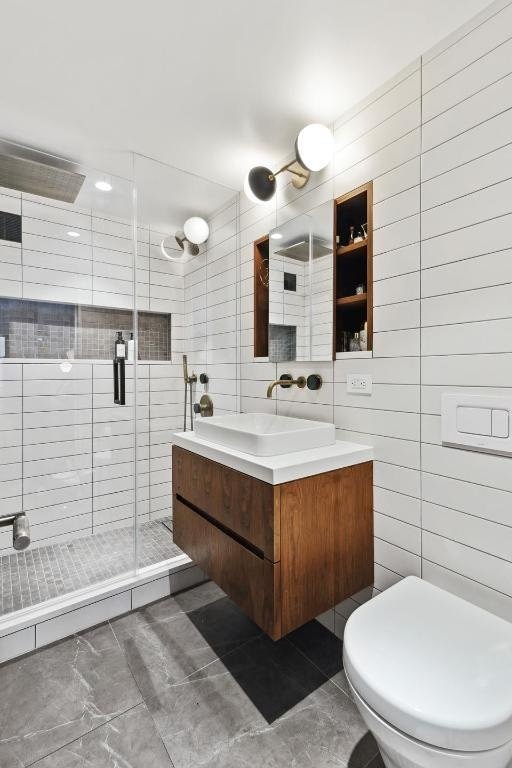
{"x": 433, "y": 665}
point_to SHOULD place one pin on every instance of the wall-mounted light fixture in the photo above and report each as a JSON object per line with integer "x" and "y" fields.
{"x": 314, "y": 147}
{"x": 195, "y": 232}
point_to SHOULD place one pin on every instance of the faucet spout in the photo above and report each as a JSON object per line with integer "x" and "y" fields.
{"x": 286, "y": 381}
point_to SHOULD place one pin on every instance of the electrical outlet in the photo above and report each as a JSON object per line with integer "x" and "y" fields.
{"x": 359, "y": 383}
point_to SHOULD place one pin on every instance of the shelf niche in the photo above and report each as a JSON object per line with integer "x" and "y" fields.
{"x": 353, "y": 266}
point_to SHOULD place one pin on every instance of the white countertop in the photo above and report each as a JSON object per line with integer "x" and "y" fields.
{"x": 279, "y": 469}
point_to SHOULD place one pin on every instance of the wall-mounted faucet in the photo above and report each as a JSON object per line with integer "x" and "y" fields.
{"x": 20, "y": 529}
{"x": 314, "y": 381}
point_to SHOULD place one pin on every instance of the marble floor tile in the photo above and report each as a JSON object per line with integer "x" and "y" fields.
{"x": 216, "y": 693}
{"x": 61, "y": 692}
{"x": 323, "y": 649}
{"x": 164, "y": 644}
{"x": 264, "y": 704}
{"x": 127, "y": 741}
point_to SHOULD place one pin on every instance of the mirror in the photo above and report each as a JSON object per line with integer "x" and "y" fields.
{"x": 301, "y": 287}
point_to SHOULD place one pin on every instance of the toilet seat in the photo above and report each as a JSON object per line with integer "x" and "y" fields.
{"x": 435, "y": 667}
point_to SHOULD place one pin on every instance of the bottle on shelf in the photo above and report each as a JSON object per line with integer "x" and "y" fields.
{"x": 355, "y": 344}
{"x": 120, "y": 347}
{"x": 131, "y": 349}
{"x": 363, "y": 338}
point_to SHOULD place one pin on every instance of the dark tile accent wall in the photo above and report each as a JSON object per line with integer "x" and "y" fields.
{"x": 39, "y": 329}
{"x": 282, "y": 343}
{"x": 154, "y": 336}
{"x": 96, "y": 329}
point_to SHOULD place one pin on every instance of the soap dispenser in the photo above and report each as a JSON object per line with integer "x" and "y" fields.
{"x": 120, "y": 347}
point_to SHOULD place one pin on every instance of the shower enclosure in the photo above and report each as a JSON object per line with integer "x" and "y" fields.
{"x": 86, "y": 424}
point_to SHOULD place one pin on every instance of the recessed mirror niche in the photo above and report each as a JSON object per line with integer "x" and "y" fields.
{"x": 300, "y": 287}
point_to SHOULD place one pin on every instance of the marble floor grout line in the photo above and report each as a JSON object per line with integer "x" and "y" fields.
{"x": 91, "y": 730}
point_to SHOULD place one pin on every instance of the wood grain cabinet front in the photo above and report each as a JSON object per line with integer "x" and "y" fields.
{"x": 284, "y": 553}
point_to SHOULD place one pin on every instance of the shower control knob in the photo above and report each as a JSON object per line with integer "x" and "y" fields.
{"x": 203, "y": 378}
{"x": 314, "y": 381}
{"x": 197, "y": 408}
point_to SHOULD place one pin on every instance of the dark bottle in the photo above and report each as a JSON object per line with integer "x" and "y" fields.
{"x": 120, "y": 347}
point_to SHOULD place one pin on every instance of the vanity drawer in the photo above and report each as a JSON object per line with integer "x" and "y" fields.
{"x": 249, "y": 579}
{"x": 243, "y": 504}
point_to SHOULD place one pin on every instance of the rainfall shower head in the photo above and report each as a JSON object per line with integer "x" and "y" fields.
{"x": 31, "y": 176}
{"x": 191, "y": 249}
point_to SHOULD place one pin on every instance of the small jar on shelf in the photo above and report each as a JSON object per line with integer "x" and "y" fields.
{"x": 355, "y": 343}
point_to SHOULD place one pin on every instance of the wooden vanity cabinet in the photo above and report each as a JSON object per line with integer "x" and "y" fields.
{"x": 284, "y": 553}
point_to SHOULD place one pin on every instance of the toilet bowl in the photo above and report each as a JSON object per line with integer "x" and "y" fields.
{"x": 431, "y": 676}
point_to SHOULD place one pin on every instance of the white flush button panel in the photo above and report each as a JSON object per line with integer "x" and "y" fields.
{"x": 474, "y": 421}
{"x": 359, "y": 383}
{"x": 477, "y": 423}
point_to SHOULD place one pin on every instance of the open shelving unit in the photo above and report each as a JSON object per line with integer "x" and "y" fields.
{"x": 353, "y": 267}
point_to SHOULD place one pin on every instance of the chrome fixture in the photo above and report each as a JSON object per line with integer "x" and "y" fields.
{"x": 313, "y": 382}
{"x": 20, "y": 529}
{"x": 204, "y": 406}
{"x": 25, "y": 174}
{"x": 314, "y": 147}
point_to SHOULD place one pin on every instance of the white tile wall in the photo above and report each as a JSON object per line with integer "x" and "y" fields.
{"x": 67, "y": 450}
{"x": 436, "y": 142}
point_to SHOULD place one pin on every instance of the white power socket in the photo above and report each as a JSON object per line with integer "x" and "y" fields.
{"x": 359, "y": 383}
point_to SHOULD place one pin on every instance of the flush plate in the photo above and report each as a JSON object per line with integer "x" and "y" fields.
{"x": 477, "y": 423}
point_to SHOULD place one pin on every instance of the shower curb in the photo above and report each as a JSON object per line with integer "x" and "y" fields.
{"x": 40, "y": 625}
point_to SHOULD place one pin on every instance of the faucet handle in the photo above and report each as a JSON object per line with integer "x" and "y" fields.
{"x": 314, "y": 381}
{"x": 284, "y": 378}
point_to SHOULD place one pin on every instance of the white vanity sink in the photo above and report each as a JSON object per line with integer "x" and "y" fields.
{"x": 264, "y": 434}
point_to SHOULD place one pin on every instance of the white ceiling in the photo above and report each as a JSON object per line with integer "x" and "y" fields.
{"x": 209, "y": 86}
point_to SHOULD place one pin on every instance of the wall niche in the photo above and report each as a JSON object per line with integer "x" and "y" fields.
{"x": 46, "y": 330}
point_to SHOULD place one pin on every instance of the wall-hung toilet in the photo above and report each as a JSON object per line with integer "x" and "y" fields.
{"x": 431, "y": 675}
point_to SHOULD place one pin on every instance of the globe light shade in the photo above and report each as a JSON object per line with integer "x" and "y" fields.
{"x": 260, "y": 184}
{"x": 196, "y": 230}
{"x": 314, "y": 147}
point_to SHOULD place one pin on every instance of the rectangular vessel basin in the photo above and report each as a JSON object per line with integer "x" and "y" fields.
{"x": 264, "y": 434}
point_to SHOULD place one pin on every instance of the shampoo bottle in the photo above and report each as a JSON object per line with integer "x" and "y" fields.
{"x": 131, "y": 348}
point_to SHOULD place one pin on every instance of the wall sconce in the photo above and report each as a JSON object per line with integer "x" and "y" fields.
{"x": 195, "y": 232}
{"x": 314, "y": 147}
